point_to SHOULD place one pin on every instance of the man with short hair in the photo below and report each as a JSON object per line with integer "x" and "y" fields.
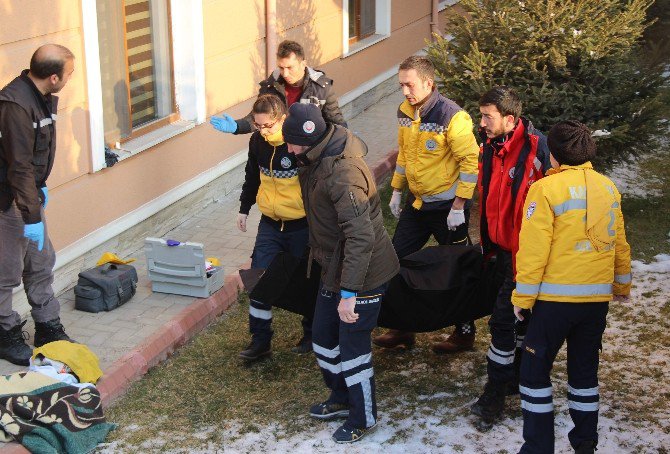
{"x": 513, "y": 156}
{"x": 293, "y": 81}
{"x": 27, "y": 150}
{"x": 437, "y": 160}
{"x": 348, "y": 239}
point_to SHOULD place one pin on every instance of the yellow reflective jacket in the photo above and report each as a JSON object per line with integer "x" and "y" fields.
{"x": 572, "y": 245}
{"x": 271, "y": 180}
{"x": 437, "y": 151}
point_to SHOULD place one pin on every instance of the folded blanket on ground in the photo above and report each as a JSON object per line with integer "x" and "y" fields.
{"x": 49, "y": 416}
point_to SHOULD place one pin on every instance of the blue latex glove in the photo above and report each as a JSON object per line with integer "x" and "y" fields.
{"x": 35, "y": 232}
{"x": 225, "y": 123}
{"x": 45, "y": 191}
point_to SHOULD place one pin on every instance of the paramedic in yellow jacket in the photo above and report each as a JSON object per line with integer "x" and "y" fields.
{"x": 573, "y": 258}
{"x": 437, "y": 160}
{"x": 271, "y": 181}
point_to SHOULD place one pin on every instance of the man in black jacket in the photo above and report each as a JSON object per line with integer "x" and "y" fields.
{"x": 348, "y": 239}
{"x": 27, "y": 150}
{"x": 293, "y": 81}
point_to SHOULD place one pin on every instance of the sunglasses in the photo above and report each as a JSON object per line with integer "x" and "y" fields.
{"x": 266, "y": 125}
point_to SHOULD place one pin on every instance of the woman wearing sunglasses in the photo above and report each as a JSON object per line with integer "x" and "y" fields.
{"x": 271, "y": 181}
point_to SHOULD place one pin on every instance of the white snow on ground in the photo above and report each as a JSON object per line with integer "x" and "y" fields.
{"x": 631, "y": 181}
{"x": 425, "y": 432}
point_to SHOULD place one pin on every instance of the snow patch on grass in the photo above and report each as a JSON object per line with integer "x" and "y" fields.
{"x": 632, "y": 181}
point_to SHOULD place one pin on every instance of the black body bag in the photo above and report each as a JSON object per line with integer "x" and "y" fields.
{"x": 436, "y": 287}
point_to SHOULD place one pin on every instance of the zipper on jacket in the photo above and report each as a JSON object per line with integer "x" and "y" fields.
{"x": 500, "y": 186}
{"x": 353, "y": 203}
{"x": 274, "y": 183}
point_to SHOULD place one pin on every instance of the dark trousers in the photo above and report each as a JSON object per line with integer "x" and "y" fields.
{"x": 344, "y": 353}
{"x": 582, "y": 326}
{"x": 269, "y": 242}
{"x": 507, "y": 333}
{"x": 20, "y": 259}
{"x": 414, "y": 230}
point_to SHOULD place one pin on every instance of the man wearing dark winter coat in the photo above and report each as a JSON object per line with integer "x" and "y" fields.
{"x": 348, "y": 239}
{"x": 27, "y": 149}
{"x": 513, "y": 156}
{"x": 293, "y": 81}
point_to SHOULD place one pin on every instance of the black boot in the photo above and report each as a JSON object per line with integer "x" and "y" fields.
{"x": 50, "y": 331}
{"x": 257, "y": 349}
{"x": 491, "y": 404}
{"x": 13, "y": 345}
{"x": 303, "y": 346}
{"x": 586, "y": 447}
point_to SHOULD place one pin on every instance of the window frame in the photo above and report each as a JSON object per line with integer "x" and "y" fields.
{"x": 382, "y": 28}
{"x": 357, "y": 24}
{"x": 145, "y": 128}
{"x": 188, "y": 81}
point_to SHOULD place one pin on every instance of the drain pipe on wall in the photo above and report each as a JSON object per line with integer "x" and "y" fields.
{"x": 434, "y": 19}
{"x": 270, "y": 35}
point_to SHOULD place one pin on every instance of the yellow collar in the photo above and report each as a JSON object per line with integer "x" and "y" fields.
{"x": 275, "y": 139}
{"x": 586, "y": 165}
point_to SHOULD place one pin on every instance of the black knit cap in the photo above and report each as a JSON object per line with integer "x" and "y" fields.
{"x": 304, "y": 125}
{"x": 570, "y": 143}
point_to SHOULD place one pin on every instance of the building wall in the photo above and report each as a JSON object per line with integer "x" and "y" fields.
{"x": 234, "y": 44}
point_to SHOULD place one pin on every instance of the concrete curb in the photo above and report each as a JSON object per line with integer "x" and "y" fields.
{"x": 158, "y": 347}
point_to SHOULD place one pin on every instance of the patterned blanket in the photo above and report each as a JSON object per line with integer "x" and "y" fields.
{"x": 48, "y": 416}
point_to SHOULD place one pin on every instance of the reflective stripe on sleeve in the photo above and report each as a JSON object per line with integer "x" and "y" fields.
{"x": 467, "y": 177}
{"x": 622, "y": 278}
{"x": 400, "y": 170}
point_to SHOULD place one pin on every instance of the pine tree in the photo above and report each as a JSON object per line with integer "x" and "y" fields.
{"x": 568, "y": 59}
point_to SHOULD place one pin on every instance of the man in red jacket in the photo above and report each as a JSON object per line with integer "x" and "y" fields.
{"x": 513, "y": 155}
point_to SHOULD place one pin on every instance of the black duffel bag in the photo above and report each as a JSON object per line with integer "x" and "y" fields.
{"x": 105, "y": 287}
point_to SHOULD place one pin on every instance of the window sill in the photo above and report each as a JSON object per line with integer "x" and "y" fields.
{"x": 153, "y": 138}
{"x": 363, "y": 44}
{"x": 446, "y": 3}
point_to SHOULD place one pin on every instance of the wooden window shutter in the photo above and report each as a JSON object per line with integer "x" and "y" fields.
{"x": 367, "y": 18}
{"x": 140, "y": 61}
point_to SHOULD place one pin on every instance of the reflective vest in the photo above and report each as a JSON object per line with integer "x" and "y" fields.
{"x": 437, "y": 151}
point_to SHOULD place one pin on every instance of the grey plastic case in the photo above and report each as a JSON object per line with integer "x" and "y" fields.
{"x": 180, "y": 269}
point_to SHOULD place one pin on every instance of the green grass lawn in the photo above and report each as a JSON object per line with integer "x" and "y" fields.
{"x": 205, "y": 384}
{"x": 648, "y": 217}
{"x": 196, "y": 396}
